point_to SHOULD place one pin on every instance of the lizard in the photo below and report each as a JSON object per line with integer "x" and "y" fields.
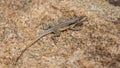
{"x": 52, "y": 29}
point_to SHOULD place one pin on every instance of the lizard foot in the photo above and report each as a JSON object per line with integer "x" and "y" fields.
{"x": 56, "y": 34}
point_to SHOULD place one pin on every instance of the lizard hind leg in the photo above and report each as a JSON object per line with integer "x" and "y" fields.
{"x": 56, "y": 34}
{"x": 46, "y": 27}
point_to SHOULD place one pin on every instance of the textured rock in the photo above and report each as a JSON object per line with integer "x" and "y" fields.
{"x": 95, "y": 45}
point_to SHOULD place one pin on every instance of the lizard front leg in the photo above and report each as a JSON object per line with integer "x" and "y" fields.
{"x": 73, "y": 27}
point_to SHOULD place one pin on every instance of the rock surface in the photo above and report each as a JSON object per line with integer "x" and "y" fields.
{"x": 95, "y": 45}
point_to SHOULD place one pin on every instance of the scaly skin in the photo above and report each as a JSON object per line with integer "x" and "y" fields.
{"x": 58, "y": 26}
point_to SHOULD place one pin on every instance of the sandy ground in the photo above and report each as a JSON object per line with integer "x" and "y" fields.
{"x": 95, "y": 45}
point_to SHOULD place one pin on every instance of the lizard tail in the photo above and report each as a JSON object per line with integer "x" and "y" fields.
{"x": 29, "y": 45}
